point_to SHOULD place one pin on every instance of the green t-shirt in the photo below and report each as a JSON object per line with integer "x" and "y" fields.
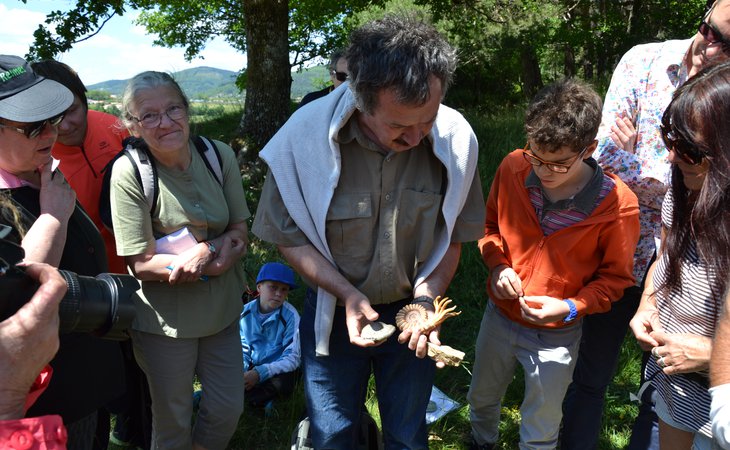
{"x": 194, "y": 199}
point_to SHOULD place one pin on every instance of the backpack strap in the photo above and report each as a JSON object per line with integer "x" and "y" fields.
{"x": 211, "y": 156}
{"x": 145, "y": 170}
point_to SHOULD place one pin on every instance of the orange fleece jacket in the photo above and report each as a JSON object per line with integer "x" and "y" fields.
{"x": 84, "y": 172}
{"x": 589, "y": 262}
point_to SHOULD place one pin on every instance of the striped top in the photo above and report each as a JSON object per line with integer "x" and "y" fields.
{"x": 692, "y": 310}
{"x": 554, "y": 216}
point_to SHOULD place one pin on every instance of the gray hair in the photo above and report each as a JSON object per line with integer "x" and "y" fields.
{"x": 398, "y": 52}
{"x": 147, "y": 80}
{"x": 335, "y": 56}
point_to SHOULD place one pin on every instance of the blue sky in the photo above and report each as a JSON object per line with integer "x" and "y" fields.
{"x": 119, "y": 51}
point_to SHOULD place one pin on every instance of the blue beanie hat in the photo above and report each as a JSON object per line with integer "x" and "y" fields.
{"x": 277, "y": 272}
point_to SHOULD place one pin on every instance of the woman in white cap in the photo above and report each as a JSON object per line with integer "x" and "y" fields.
{"x": 87, "y": 370}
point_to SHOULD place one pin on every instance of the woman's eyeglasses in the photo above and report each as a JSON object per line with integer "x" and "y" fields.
{"x": 686, "y": 151}
{"x": 153, "y": 120}
{"x": 340, "y": 76}
{"x": 712, "y": 34}
{"x": 553, "y": 166}
{"x": 34, "y": 129}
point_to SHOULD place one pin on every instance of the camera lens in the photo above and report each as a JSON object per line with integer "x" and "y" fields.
{"x": 101, "y": 306}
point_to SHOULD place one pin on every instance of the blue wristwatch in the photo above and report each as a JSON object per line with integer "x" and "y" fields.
{"x": 573, "y": 311}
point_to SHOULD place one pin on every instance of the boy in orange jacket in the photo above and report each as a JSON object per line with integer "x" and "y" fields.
{"x": 559, "y": 242}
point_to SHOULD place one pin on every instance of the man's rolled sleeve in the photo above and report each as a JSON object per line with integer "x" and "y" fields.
{"x": 273, "y": 222}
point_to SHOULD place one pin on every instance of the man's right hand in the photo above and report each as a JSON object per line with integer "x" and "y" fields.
{"x": 359, "y": 313}
{"x": 623, "y": 132}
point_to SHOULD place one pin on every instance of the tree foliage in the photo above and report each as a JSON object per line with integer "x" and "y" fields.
{"x": 508, "y": 48}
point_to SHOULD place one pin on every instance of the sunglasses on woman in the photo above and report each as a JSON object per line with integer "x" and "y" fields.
{"x": 686, "y": 151}
{"x": 34, "y": 129}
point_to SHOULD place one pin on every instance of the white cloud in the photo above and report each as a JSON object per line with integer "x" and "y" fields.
{"x": 119, "y": 51}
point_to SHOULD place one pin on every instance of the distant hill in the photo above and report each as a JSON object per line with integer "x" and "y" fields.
{"x": 209, "y": 82}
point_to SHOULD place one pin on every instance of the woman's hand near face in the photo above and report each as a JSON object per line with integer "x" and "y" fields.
{"x": 45, "y": 240}
{"x": 56, "y": 196}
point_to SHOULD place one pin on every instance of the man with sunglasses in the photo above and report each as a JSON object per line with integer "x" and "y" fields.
{"x": 338, "y": 75}
{"x": 630, "y": 145}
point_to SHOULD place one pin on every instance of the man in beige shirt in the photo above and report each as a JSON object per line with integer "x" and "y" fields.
{"x": 369, "y": 196}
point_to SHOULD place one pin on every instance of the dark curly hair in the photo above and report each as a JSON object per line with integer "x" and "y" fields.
{"x": 564, "y": 113}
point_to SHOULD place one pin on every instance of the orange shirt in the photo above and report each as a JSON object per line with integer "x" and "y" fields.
{"x": 82, "y": 167}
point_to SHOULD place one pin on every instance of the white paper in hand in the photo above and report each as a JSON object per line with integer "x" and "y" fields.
{"x": 176, "y": 242}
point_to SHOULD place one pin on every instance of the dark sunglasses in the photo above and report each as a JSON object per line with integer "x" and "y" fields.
{"x": 713, "y": 36}
{"x": 341, "y": 76}
{"x": 34, "y": 129}
{"x": 679, "y": 145}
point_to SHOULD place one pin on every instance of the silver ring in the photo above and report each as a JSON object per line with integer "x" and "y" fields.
{"x": 655, "y": 352}
{"x": 660, "y": 362}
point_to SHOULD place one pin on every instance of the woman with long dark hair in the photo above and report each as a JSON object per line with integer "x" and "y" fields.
{"x": 682, "y": 300}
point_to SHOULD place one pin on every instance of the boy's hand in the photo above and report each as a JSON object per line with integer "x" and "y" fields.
{"x": 250, "y": 379}
{"x": 506, "y": 283}
{"x": 541, "y": 309}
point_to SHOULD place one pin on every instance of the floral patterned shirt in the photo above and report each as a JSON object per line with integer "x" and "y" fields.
{"x": 642, "y": 86}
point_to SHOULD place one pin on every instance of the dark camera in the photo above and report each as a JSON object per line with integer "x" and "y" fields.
{"x": 102, "y": 306}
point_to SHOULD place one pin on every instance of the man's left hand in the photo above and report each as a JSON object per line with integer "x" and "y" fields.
{"x": 419, "y": 341}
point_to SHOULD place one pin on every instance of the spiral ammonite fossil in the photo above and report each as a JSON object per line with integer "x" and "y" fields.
{"x": 415, "y": 317}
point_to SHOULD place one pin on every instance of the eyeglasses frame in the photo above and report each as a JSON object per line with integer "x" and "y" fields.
{"x": 159, "y": 117}
{"x": 564, "y": 168}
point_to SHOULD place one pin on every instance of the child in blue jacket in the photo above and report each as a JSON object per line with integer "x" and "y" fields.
{"x": 270, "y": 337}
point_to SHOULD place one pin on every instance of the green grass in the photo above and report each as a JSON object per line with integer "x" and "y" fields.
{"x": 498, "y": 134}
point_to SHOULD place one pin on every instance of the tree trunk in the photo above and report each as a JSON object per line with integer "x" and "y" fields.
{"x": 268, "y": 75}
{"x": 531, "y": 76}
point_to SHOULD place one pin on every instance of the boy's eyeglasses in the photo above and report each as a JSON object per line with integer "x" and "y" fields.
{"x": 679, "y": 145}
{"x": 341, "y": 76}
{"x": 712, "y": 34}
{"x": 553, "y": 166}
{"x": 153, "y": 120}
{"x": 34, "y": 129}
